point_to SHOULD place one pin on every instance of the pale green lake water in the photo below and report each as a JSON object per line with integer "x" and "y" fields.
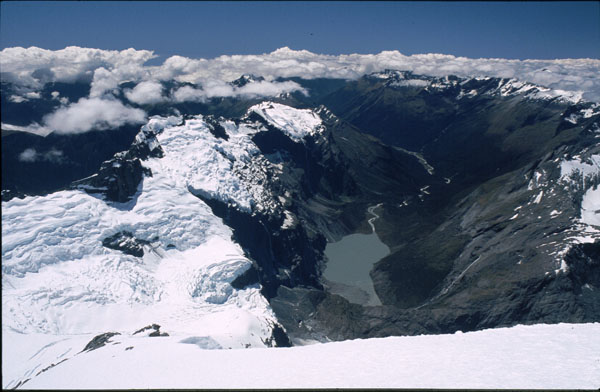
{"x": 349, "y": 263}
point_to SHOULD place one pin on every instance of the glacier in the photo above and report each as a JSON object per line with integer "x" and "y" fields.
{"x": 59, "y": 280}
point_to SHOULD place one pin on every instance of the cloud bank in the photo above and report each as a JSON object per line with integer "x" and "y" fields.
{"x": 35, "y": 66}
{"x": 32, "y": 66}
{"x": 29, "y": 68}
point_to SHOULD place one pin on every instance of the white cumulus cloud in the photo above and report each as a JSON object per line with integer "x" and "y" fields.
{"x": 17, "y": 99}
{"x": 218, "y": 88}
{"x": 92, "y": 113}
{"x": 104, "y": 81}
{"x": 146, "y": 93}
{"x": 189, "y": 94}
{"x": 269, "y": 89}
{"x": 33, "y": 95}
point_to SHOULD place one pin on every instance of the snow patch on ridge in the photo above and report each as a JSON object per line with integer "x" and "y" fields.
{"x": 296, "y": 123}
{"x": 232, "y": 171}
{"x": 593, "y": 110}
{"x": 590, "y": 207}
{"x": 579, "y": 175}
{"x": 515, "y": 87}
{"x": 203, "y": 163}
{"x": 505, "y": 88}
{"x": 575, "y": 170}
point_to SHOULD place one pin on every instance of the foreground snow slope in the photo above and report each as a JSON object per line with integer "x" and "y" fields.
{"x": 539, "y": 356}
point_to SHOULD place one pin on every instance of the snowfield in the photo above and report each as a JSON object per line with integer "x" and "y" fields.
{"x": 539, "y": 356}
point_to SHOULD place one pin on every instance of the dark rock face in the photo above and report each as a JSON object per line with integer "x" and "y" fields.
{"x": 498, "y": 245}
{"x": 155, "y": 328}
{"x": 119, "y": 178}
{"x": 246, "y": 279}
{"x": 583, "y": 261}
{"x": 276, "y": 251}
{"x": 309, "y": 312}
{"x": 278, "y": 337}
{"x": 126, "y": 243}
{"x": 99, "y": 341}
{"x": 157, "y": 334}
{"x": 246, "y": 79}
{"x": 43, "y": 370}
{"x": 478, "y": 249}
{"x": 215, "y": 127}
{"x": 55, "y": 161}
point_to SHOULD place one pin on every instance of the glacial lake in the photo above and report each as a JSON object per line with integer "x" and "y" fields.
{"x": 349, "y": 262}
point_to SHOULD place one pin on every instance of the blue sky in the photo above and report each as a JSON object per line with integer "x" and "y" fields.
{"x": 543, "y": 30}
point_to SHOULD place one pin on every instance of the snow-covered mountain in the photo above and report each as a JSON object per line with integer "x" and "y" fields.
{"x": 470, "y": 87}
{"x": 169, "y": 215}
{"x": 61, "y": 278}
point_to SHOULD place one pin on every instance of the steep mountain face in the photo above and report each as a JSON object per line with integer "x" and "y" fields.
{"x": 499, "y": 124}
{"x": 487, "y": 241}
{"x": 315, "y": 187}
{"x": 485, "y": 191}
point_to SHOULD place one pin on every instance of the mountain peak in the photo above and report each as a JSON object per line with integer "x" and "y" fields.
{"x": 246, "y": 79}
